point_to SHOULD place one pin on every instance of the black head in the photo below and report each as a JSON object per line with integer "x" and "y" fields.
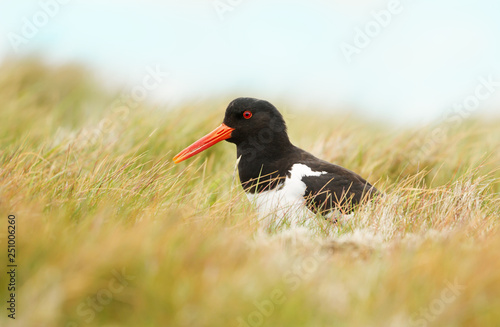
{"x": 254, "y": 118}
{"x": 255, "y": 126}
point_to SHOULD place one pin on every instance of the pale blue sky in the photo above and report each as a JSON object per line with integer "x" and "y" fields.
{"x": 428, "y": 58}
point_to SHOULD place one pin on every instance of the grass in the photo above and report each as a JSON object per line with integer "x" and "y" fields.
{"x": 111, "y": 233}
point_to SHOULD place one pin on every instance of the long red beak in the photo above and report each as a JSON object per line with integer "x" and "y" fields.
{"x": 223, "y": 132}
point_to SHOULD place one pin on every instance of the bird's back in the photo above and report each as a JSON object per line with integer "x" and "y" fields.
{"x": 336, "y": 188}
{"x": 304, "y": 181}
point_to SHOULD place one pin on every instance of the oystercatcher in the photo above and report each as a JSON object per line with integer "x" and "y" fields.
{"x": 278, "y": 177}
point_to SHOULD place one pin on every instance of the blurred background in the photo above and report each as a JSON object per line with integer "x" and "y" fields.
{"x": 401, "y": 62}
{"x": 96, "y": 97}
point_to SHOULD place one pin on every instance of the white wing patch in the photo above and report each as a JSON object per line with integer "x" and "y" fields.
{"x": 286, "y": 200}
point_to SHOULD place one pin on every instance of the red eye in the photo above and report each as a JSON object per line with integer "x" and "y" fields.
{"x": 247, "y": 114}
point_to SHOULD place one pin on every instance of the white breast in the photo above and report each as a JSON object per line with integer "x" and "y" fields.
{"x": 286, "y": 201}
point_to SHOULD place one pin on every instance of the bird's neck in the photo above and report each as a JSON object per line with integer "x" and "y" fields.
{"x": 263, "y": 161}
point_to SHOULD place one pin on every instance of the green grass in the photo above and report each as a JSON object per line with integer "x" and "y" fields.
{"x": 96, "y": 196}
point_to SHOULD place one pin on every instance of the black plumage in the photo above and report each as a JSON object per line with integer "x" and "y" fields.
{"x": 267, "y": 156}
{"x": 267, "y": 160}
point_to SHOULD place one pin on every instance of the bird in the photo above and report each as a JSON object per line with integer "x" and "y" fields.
{"x": 279, "y": 178}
